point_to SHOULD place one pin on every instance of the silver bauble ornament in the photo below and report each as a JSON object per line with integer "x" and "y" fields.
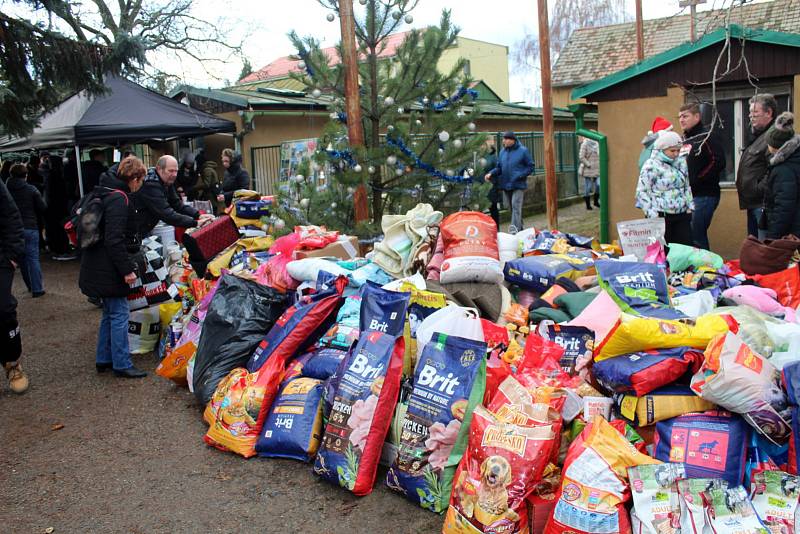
{"x": 280, "y": 223}
{"x": 443, "y": 189}
{"x": 399, "y": 172}
{"x": 362, "y": 2}
{"x": 483, "y": 162}
{"x": 426, "y": 100}
{"x": 316, "y": 93}
{"x": 396, "y": 15}
{"x": 333, "y": 205}
{"x": 401, "y": 110}
{"x": 331, "y": 17}
{"x": 299, "y": 178}
{"x": 334, "y": 116}
{"x": 470, "y": 172}
{"x": 441, "y": 151}
{"x": 471, "y": 126}
{"x": 450, "y": 172}
{"x": 409, "y": 19}
{"x": 304, "y": 202}
{"x": 357, "y": 167}
{"x": 389, "y": 101}
{"x": 371, "y": 169}
{"x": 476, "y": 207}
{"x": 444, "y": 136}
{"x": 391, "y": 160}
{"x": 419, "y": 122}
{"x": 350, "y": 190}
{"x": 390, "y": 128}
{"x": 301, "y": 64}
{"x": 458, "y": 143}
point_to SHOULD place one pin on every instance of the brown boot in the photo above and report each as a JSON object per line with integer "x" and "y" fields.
{"x": 17, "y": 380}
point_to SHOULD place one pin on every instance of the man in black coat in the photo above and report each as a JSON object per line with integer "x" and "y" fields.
{"x": 12, "y": 250}
{"x": 158, "y": 200}
{"x": 235, "y": 176}
{"x": 705, "y": 160}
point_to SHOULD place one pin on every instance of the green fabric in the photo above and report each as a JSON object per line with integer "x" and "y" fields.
{"x": 574, "y": 303}
{"x": 540, "y": 314}
{"x": 462, "y": 440}
{"x": 682, "y": 257}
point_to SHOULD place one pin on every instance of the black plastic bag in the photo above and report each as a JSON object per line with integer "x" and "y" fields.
{"x": 240, "y": 313}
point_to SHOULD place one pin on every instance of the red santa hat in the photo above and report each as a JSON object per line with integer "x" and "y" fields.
{"x": 659, "y": 124}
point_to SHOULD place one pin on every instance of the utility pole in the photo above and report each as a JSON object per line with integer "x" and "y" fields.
{"x": 352, "y": 98}
{"x": 551, "y": 185}
{"x": 692, "y": 4}
{"x": 639, "y": 31}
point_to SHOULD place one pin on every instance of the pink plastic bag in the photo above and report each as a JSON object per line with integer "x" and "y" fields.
{"x": 655, "y": 254}
{"x": 273, "y": 273}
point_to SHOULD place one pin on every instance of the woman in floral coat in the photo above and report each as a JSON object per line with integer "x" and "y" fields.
{"x": 663, "y": 189}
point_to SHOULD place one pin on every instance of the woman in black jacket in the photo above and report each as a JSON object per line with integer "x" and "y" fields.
{"x": 108, "y": 267}
{"x": 782, "y": 195}
{"x": 235, "y": 176}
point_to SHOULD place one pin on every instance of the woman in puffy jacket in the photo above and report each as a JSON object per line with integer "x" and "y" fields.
{"x": 235, "y": 176}
{"x": 782, "y": 193}
{"x": 663, "y": 189}
{"x": 108, "y": 267}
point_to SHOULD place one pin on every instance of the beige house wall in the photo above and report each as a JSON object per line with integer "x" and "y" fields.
{"x": 487, "y": 61}
{"x": 625, "y": 123}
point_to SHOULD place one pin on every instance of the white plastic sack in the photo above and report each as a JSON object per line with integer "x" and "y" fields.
{"x": 417, "y": 279}
{"x": 695, "y": 304}
{"x": 507, "y": 247}
{"x": 144, "y": 329}
{"x": 636, "y": 235}
{"x": 307, "y": 269}
{"x": 451, "y": 320}
{"x": 525, "y": 239}
{"x": 786, "y": 337}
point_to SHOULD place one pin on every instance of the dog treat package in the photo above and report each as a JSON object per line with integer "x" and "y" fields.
{"x": 711, "y": 444}
{"x": 232, "y": 413}
{"x": 638, "y": 288}
{"x": 775, "y": 497}
{"x": 501, "y": 467}
{"x": 656, "y": 506}
{"x": 739, "y": 380}
{"x": 540, "y": 272}
{"x": 594, "y": 486}
{"x": 693, "y": 518}
{"x": 366, "y": 394}
{"x": 635, "y": 334}
{"x": 293, "y": 428}
{"x": 642, "y": 372}
{"x": 421, "y": 305}
{"x": 323, "y": 362}
{"x": 448, "y": 383}
{"x": 575, "y": 340}
{"x": 729, "y": 510}
{"x": 470, "y": 249}
{"x": 659, "y": 405}
{"x": 514, "y": 403}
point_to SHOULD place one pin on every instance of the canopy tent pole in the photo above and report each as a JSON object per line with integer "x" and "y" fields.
{"x": 78, "y": 164}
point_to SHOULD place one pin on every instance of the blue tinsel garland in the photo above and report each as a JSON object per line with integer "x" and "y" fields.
{"x": 427, "y": 167}
{"x": 447, "y": 102}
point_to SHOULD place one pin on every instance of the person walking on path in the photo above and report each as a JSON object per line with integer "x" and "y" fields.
{"x": 781, "y": 191}
{"x": 494, "y": 195}
{"x": 589, "y": 168}
{"x": 31, "y": 208}
{"x": 108, "y": 267}
{"x": 663, "y": 189}
{"x": 754, "y": 160}
{"x": 514, "y": 165}
{"x": 235, "y": 176}
{"x": 705, "y": 160}
{"x": 12, "y": 250}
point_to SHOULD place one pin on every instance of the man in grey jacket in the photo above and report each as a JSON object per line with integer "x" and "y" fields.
{"x": 754, "y": 160}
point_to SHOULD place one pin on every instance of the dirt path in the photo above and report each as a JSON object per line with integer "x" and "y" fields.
{"x": 130, "y": 456}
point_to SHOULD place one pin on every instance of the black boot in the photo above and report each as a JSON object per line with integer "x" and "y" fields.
{"x": 597, "y": 199}
{"x": 588, "y": 203}
{"x": 130, "y": 372}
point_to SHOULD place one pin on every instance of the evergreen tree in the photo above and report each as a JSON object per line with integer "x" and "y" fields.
{"x": 420, "y": 140}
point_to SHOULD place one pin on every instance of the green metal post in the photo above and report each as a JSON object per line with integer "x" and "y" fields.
{"x": 579, "y": 110}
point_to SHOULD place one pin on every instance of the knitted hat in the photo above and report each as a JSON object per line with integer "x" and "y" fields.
{"x": 667, "y": 139}
{"x": 781, "y": 131}
{"x": 659, "y": 124}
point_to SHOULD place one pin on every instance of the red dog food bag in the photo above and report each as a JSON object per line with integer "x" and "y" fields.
{"x": 499, "y": 470}
{"x": 470, "y": 249}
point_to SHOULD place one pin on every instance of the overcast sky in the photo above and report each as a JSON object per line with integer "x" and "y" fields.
{"x": 269, "y": 22}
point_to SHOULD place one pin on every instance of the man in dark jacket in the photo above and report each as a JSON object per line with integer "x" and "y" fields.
{"x": 92, "y": 169}
{"x": 705, "y": 160}
{"x": 754, "y": 160}
{"x": 235, "y": 176}
{"x": 12, "y": 250}
{"x": 31, "y": 207}
{"x": 157, "y": 200}
{"x": 514, "y": 165}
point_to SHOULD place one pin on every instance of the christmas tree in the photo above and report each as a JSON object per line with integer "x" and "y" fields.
{"x": 419, "y": 129}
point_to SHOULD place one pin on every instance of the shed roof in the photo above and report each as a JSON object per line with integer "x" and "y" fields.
{"x": 593, "y": 53}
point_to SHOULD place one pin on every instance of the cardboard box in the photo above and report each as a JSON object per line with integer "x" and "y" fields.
{"x": 345, "y": 248}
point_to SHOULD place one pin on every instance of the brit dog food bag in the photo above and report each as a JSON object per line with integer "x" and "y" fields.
{"x": 366, "y": 395}
{"x": 498, "y": 472}
{"x": 638, "y": 288}
{"x": 470, "y": 249}
{"x": 656, "y": 505}
{"x": 449, "y": 382}
{"x": 575, "y": 340}
{"x": 642, "y": 372}
{"x": 293, "y": 428}
{"x": 539, "y": 273}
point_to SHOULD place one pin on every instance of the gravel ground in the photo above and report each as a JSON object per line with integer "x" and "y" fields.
{"x": 130, "y": 456}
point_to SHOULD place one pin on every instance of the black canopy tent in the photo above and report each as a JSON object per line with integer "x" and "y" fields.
{"x": 127, "y": 113}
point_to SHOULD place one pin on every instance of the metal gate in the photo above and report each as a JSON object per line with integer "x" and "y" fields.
{"x": 566, "y": 155}
{"x": 266, "y": 168}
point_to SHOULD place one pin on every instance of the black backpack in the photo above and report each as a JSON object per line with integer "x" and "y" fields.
{"x": 87, "y": 218}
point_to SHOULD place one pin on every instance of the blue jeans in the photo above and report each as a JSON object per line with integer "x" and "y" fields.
{"x": 590, "y": 186}
{"x": 30, "y": 267}
{"x": 704, "y": 208}
{"x": 112, "y": 338}
{"x": 753, "y": 215}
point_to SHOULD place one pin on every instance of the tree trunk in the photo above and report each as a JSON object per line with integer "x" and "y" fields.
{"x": 375, "y": 133}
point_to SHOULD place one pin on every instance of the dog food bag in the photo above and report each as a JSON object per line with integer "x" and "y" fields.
{"x": 661, "y": 404}
{"x": 293, "y": 428}
{"x": 323, "y": 362}
{"x": 739, "y": 380}
{"x": 514, "y": 403}
{"x": 712, "y": 444}
{"x": 421, "y": 305}
{"x": 638, "y": 288}
{"x": 642, "y": 372}
{"x": 576, "y": 341}
{"x": 594, "y": 486}
{"x": 540, "y": 272}
{"x": 449, "y": 382}
{"x": 656, "y": 506}
{"x": 470, "y": 249}
{"x": 730, "y": 511}
{"x": 636, "y": 334}
{"x": 232, "y": 412}
{"x": 693, "y": 517}
{"x": 775, "y": 497}
{"x": 499, "y": 470}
